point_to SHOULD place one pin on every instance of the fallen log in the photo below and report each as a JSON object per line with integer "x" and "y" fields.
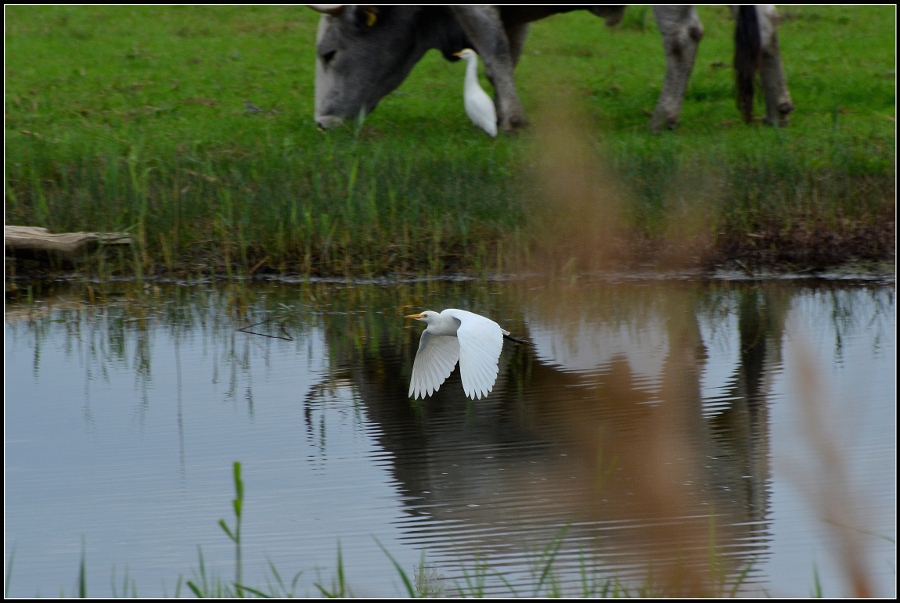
{"x": 67, "y": 245}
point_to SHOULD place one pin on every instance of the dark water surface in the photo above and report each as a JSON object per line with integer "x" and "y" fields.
{"x": 682, "y": 434}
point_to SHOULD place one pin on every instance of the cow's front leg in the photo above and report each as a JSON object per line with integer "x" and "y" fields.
{"x": 485, "y": 29}
{"x": 516, "y": 35}
{"x": 774, "y": 84}
{"x": 681, "y": 33}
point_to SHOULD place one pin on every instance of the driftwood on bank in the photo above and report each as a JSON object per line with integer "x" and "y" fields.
{"x": 68, "y": 245}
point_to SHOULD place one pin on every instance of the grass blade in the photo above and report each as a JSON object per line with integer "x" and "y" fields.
{"x": 410, "y": 589}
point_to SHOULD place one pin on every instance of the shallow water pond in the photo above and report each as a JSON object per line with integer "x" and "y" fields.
{"x": 666, "y": 434}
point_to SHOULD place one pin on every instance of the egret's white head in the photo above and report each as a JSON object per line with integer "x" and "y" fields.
{"x": 466, "y": 53}
{"x": 427, "y": 316}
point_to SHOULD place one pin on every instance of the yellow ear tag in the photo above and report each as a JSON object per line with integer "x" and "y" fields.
{"x": 371, "y": 17}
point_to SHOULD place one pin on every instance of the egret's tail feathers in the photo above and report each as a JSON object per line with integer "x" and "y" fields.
{"x": 506, "y": 335}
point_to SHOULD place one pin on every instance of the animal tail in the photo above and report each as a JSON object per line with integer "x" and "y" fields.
{"x": 747, "y": 58}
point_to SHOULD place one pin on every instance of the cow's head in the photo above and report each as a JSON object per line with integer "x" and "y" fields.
{"x": 364, "y": 52}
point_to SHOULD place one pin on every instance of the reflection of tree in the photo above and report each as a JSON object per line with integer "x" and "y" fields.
{"x": 740, "y": 430}
{"x": 600, "y": 447}
{"x": 668, "y": 482}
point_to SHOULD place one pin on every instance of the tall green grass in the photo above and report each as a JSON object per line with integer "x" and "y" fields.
{"x": 341, "y": 208}
{"x": 191, "y": 128}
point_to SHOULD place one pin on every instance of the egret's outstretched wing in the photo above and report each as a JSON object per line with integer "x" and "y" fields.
{"x": 434, "y": 362}
{"x": 480, "y": 343}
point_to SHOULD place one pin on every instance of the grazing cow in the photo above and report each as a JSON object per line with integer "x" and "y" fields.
{"x": 365, "y": 52}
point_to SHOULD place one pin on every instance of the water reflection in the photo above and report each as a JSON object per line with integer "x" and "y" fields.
{"x": 635, "y": 435}
{"x": 600, "y": 427}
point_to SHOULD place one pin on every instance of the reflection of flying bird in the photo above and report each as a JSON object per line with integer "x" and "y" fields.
{"x": 479, "y": 106}
{"x": 473, "y": 340}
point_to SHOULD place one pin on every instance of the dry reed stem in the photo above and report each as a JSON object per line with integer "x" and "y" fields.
{"x": 828, "y": 484}
{"x": 583, "y": 228}
{"x": 581, "y": 222}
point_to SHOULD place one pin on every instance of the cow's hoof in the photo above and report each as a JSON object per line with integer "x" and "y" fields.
{"x": 514, "y": 126}
{"x": 780, "y": 117}
{"x": 784, "y": 109}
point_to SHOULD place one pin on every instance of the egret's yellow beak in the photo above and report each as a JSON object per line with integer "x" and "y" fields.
{"x": 458, "y": 54}
{"x": 416, "y": 316}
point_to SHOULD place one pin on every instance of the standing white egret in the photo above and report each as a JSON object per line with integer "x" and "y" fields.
{"x": 451, "y": 336}
{"x": 479, "y": 106}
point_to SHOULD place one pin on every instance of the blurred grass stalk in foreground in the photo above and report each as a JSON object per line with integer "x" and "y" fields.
{"x": 823, "y": 475}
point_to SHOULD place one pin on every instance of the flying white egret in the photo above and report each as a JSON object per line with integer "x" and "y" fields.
{"x": 457, "y": 335}
{"x": 479, "y": 106}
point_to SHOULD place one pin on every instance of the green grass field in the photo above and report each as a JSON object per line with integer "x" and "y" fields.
{"x": 135, "y": 119}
